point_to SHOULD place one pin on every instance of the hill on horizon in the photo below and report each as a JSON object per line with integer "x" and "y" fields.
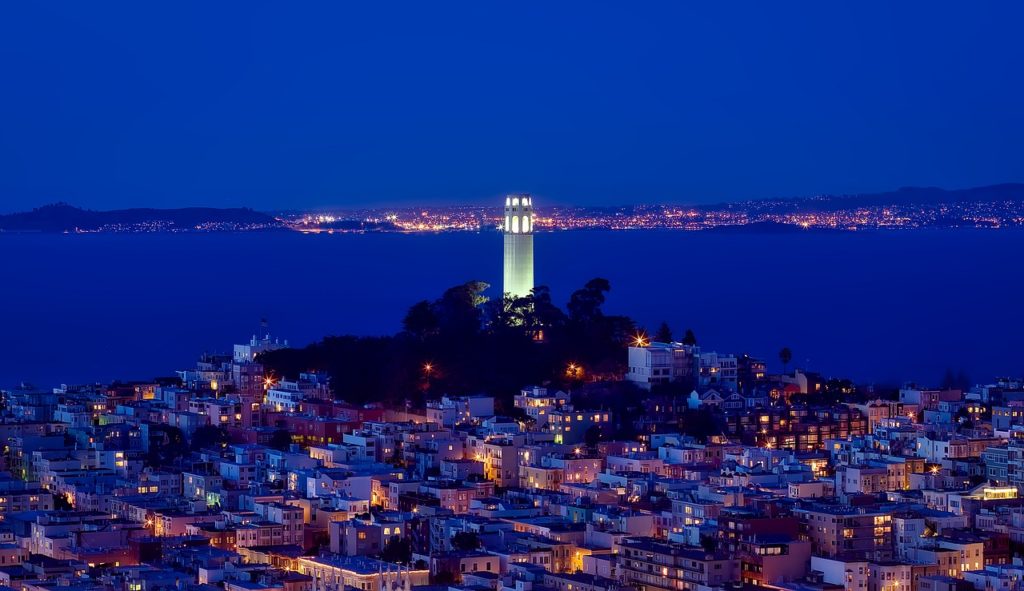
{"x": 904, "y": 196}
{"x": 61, "y": 217}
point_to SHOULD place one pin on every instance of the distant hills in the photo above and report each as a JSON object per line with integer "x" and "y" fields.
{"x": 989, "y": 206}
{"x": 903, "y": 196}
{"x": 61, "y": 217}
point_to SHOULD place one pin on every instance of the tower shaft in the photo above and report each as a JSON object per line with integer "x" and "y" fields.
{"x": 517, "y": 227}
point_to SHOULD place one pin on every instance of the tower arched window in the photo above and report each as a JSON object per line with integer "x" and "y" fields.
{"x": 526, "y": 224}
{"x": 515, "y": 224}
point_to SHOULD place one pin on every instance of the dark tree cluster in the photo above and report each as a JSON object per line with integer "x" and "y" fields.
{"x": 166, "y": 444}
{"x": 465, "y": 541}
{"x": 209, "y": 436}
{"x": 397, "y": 550}
{"x": 955, "y": 381}
{"x": 280, "y": 440}
{"x": 465, "y": 343}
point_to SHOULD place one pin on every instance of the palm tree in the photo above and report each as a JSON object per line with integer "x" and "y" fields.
{"x": 664, "y": 334}
{"x": 785, "y": 356}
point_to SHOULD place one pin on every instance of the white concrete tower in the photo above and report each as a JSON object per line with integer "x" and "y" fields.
{"x": 518, "y": 230}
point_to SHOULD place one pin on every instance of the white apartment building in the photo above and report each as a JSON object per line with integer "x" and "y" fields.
{"x": 662, "y": 363}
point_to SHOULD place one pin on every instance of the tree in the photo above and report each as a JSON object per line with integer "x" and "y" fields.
{"x": 420, "y": 321}
{"x": 585, "y": 304}
{"x": 280, "y": 440}
{"x": 546, "y": 314}
{"x": 955, "y": 381}
{"x": 689, "y": 338}
{"x": 397, "y": 549}
{"x": 164, "y": 450}
{"x": 458, "y": 309}
{"x": 472, "y": 345}
{"x": 465, "y": 540}
{"x": 664, "y": 334}
{"x": 963, "y": 382}
{"x": 209, "y": 436}
{"x": 785, "y": 356}
{"x": 510, "y": 312}
{"x": 700, "y": 423}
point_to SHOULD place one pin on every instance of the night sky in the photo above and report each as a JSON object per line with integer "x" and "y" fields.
{"x": 329, "y": 104}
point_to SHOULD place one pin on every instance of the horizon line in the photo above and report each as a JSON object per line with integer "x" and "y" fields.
{"x": 555, "y": 204}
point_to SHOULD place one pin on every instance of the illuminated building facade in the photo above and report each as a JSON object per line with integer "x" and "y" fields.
{"x": 518, "y": 229}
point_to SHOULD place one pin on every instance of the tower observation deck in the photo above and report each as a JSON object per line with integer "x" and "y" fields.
{"x": 518, "y": 230}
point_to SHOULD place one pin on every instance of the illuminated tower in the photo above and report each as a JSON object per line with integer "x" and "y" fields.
{"x": 518, "y": 229}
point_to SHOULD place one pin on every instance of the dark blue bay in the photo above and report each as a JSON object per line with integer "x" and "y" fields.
{"x": 876, "y": 306}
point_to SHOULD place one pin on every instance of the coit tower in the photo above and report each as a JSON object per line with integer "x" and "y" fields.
{"x": 518, "y": 230}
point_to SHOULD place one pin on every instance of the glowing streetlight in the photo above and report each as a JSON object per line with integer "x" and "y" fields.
{"x": 640, "y": 340}
{"x": 428, "y": 369}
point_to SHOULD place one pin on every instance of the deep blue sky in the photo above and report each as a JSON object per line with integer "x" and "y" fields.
{"x": 308, "y": 104}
